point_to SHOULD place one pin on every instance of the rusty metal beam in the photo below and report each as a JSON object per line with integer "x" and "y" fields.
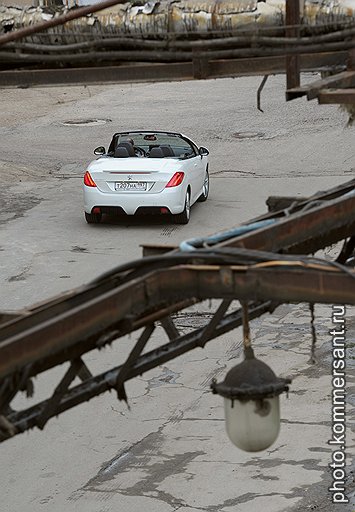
{"x": 324, "y": 219}
{"x": 133, "y": 356}
{"x": 337, "y": 96}
{"x": 174, "y": 284}
{"x": 299, "y": 205}
{"x": 129, "y": 325}
{"x": 339, "y": 80}
{"x": 305, "y": 203}
{"x": 165, "y": 72}
{"x": 305, "y": 231}
{"x": 309, "y": 282}
{"x": 18, "y": 422}
{"x": 8, "y": 317}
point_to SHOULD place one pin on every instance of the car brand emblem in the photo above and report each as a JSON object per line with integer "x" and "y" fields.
{"x": 129, "y": 177}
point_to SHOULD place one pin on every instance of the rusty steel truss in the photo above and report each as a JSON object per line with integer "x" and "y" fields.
{"x": 265, "y": 267}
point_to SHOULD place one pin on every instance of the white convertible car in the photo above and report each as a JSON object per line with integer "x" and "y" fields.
{"x": 146, "y": 172}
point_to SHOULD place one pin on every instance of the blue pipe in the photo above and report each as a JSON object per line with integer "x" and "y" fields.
{"x": 196, "y": 243}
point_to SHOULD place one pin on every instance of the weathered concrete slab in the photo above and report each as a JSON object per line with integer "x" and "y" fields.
{"x": 170, "y": 452}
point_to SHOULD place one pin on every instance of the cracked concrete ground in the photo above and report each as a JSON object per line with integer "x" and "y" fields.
{"x": 169, "y": 452}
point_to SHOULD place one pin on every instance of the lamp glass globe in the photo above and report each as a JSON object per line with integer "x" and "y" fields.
{"x": 252, "y": 425}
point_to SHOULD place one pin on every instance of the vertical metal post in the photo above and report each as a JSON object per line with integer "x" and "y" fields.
{"x": 292, "y": 30}
{"x": 351, "y": 59}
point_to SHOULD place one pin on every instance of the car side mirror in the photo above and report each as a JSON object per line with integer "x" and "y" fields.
{"x": 100, "y": 150}
{"x": 203, "y": 151}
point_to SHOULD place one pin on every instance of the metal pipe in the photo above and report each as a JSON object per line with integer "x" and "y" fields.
{"x": 175, "y": 56}
{"x": 254, "y": 38}
{"x": 60, "y": 20}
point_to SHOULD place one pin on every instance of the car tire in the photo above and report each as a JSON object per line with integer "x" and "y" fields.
{"x": 93, "y": 218}
{"x": 206, "y": 188}
{"x": 184, "y": 216}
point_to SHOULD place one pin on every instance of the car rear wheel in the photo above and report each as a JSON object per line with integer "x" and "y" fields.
{"x": 93, "y": 218}
{"x": 205, "y": 189}
{"x": 184, "y": 216}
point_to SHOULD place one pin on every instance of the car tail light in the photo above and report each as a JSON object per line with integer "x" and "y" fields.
{"x": 175, "y": 180}
{"x": 88, "y": 181}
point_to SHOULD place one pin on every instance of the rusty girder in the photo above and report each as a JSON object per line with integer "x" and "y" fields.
{"x": 136, "y": 295}
{"x": 168, "y": 71}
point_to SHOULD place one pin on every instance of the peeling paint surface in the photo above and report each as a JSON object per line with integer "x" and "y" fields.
{"x": 182, "y": 16}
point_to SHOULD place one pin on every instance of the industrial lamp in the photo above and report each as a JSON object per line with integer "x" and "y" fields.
{"x": 251, "y": 399}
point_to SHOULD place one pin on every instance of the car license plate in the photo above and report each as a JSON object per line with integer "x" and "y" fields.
{"x": 137, "y": 186}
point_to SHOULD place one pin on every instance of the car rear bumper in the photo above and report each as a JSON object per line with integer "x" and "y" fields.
{"x": 130, "y": 202}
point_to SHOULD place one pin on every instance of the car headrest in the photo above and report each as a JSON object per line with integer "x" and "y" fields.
{"x": 121, "y": 152}
{"x": 156, "y": 153}
{"x": 128, "y": 146}
{"x": 167, "y": 151}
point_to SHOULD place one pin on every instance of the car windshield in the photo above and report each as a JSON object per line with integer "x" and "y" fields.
{"x": 148, "y": 140}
